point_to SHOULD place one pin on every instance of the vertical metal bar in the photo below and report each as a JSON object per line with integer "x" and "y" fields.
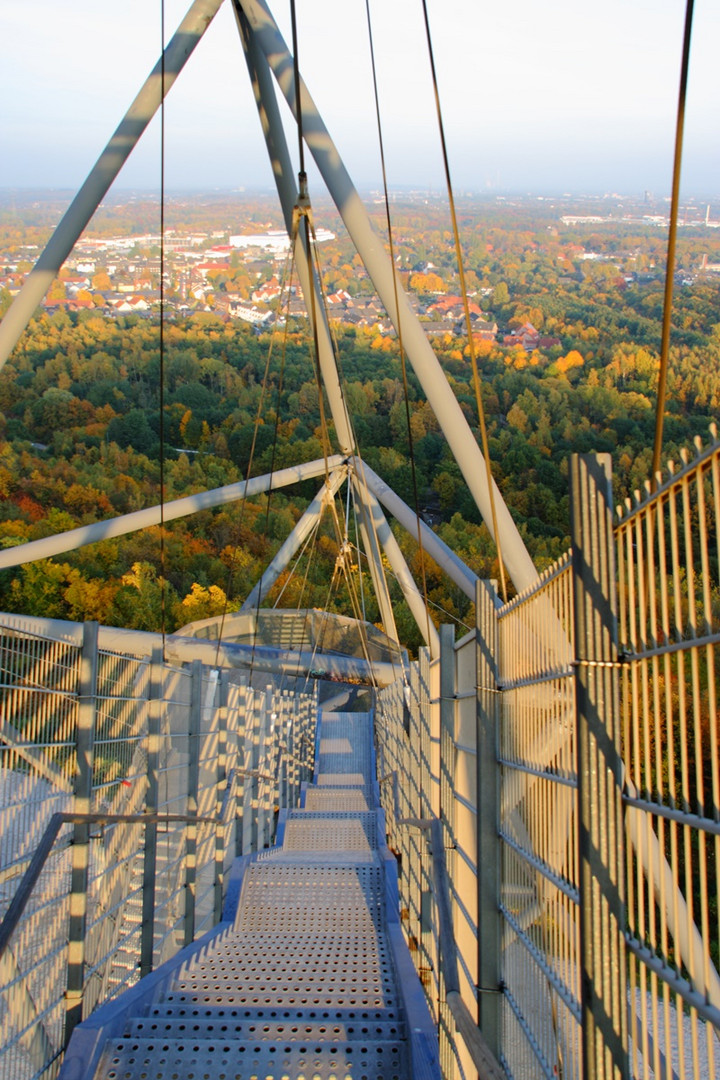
{"x": 447, "y": 723}
{"x": 488, "y": 808}
{"x": 193, "y": 787}
{"x": 248, "y": 781}
{"x": 447, "y": 814}
{"x": 241, "y": 737}
{"x": 221, "y": 829}
{"x": 602, "y": 889}
{"x": 85, "y": 740}
{"x": 147, "y": 935}
{"x": 258, "y": 704}
{"x": 267, "y": 763}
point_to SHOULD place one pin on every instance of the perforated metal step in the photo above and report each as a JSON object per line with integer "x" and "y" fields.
{"x": 250, "y": 1059}
{"x": 331, "y": 830}
{"x": 292, "y": 1029}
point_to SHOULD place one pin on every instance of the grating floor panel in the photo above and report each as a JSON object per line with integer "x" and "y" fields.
{"x": 303, "y": 986}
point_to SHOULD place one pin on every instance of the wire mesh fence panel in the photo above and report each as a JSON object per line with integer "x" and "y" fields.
{"x": 537, "y": 824}
{"x": 113, "y": 736}
{"x": 667, "y": 553}
{"x": 38, "y": 712}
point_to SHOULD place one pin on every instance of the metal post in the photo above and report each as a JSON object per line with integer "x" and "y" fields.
{"x": 85, "y": 741}
{"x": 238, "y": 743}
{"x": 267, "y": 768}
{"x": 193, "y": 787}
{"x": 446, "y": 835}
{"x": 488, "y": 803}
{"x": 447, "y": 724}
{"x": 147, "y": 936}
{"x": 254, "y": 785}
{"x": 283, "y": 744}
{"x": 246, "y": 712}
{"x": 221, "y": 829}
{"x": 601, "y": 831}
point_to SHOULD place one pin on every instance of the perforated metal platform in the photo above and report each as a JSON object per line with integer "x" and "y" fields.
{"x": 304, "y": 985}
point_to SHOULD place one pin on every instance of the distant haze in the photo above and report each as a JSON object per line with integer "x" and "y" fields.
{"x": 561, "y": 97}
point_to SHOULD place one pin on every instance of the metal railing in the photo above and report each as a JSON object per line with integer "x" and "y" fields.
{"x": 160, "y": 777}
{"x": 569, "y": 746}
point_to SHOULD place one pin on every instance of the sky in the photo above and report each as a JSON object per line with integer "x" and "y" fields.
{"x": 544, "y": 98}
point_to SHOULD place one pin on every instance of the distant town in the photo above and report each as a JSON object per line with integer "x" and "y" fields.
{"x": 244, "y": 275}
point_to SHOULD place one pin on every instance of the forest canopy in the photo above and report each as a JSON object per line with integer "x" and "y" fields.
{"x": 81, "y": 431}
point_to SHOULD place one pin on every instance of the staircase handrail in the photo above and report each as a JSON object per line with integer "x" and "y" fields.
{"x": 42, "y": 851}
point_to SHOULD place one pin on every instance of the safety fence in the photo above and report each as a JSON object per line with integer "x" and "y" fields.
{"x": 569, "y": 747}
{"x": 166, "y": 774}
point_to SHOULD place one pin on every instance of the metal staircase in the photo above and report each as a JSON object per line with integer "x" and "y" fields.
{"x": 312, "y": 978}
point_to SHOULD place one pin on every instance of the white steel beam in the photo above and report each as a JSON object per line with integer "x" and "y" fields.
{"x": 271, "y": 122}
{"x": 412, "y": 594}
{"x": 371, "y": 249}
{"x": 297, "y": 537}
{"x": 458, "y": 571}
{"x": 143, "y": 519}
{"x": 103, "y": 173}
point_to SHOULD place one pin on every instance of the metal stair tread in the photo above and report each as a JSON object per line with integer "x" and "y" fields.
{"x": 293, "y": 1029}
{"x": 331, "y": 798}
{"x": 320, "y": 857}
{"x": 335, "y": 1013}
{"x": 158, "y": 1059}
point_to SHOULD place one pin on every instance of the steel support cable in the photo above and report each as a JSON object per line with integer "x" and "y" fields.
{"x": 360, "y": 465}
{"x": 303, "y": 210}
{"x": 340, "y": 563}
{"x": 357, "y": 546}
{"x": 403, "y": 363}
{"x": 360, "y": 473}
{"x": 292, "y": 573}
{"x": 273, "y": 453}
{"x": 466, "y": 306}
{"x": 358, "y": 460}
{"x": 672, "y": 237}
{"x": 355, "y": 604}
{"x": 285, "y": 280}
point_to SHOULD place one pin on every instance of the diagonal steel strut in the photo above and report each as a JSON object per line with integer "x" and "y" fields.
{"x": 103, "y": 173}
